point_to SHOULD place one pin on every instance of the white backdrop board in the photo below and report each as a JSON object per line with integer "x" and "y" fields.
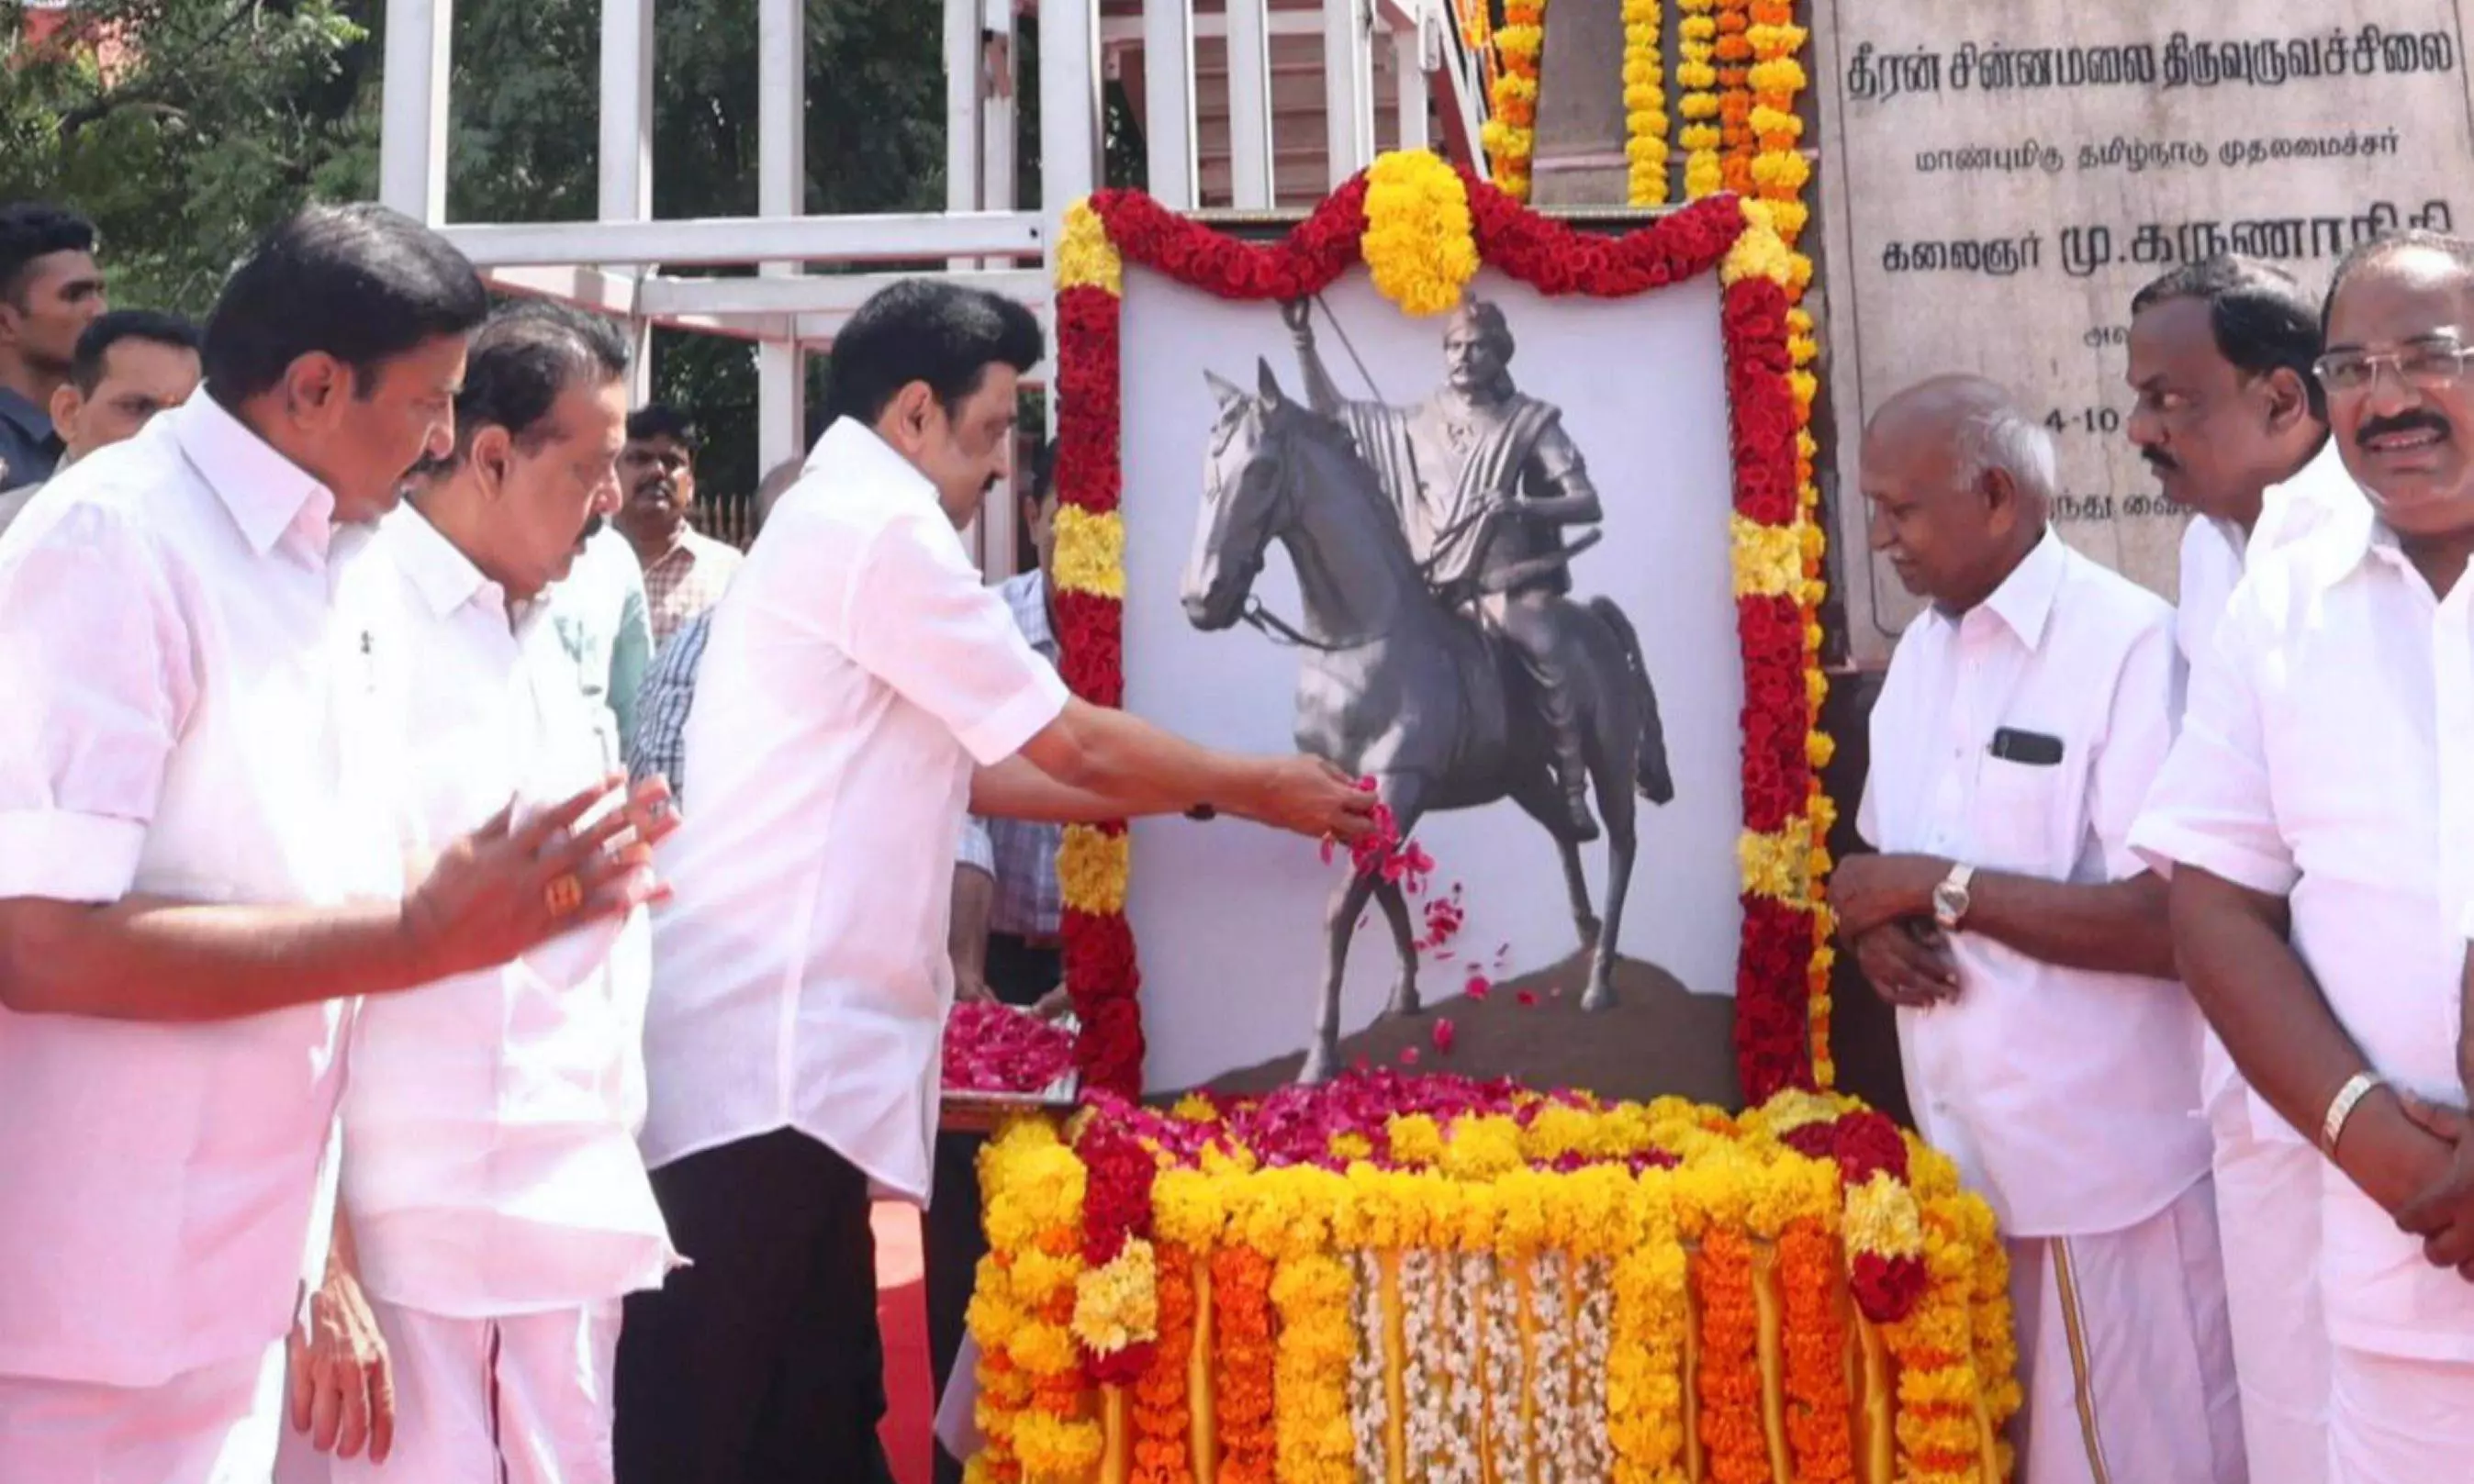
{"x": 1999, "y": 176}
{"x": 1229, "y": 918}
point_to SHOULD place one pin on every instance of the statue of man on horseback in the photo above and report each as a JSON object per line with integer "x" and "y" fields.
{"x": 1485, "y": 479}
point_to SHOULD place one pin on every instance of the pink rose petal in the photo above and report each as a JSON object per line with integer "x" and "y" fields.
{"x": 1408, "y": 1056}
{"x": 1479, "y": 987}
{"x": 1445, "y": 1034}
{"x": 1525, "y": 998}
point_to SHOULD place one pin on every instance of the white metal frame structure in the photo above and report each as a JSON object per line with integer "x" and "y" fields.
{"x": 615, "y": 265}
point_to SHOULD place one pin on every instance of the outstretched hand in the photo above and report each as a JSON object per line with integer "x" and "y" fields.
{"x": 1307, "y": 796}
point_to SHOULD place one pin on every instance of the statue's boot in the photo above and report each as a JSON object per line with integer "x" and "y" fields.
{"x": 1572, "y": 760}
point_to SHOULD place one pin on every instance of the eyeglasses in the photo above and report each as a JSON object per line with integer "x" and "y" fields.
{"x": 2427, "y": 367}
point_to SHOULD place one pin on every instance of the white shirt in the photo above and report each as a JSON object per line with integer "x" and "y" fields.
{"x": 2215, "y": 554}
{"x": 189, "y": 714}
{"x": 2308, "y": 768}
{"x": 2069, "y": 1097}
{"x": 490, "y": 1164}
{"x": 856, "y": 671}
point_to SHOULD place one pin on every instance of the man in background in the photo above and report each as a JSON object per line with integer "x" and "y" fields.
{"x": 50, "y": 291}
{"x": 2231, "y": 419}
{"x": 495, "y": 1207}
{"x": 130, "y": 364}
{"x": 1006, "y": 947}
{"x": 685, "y": 571}
{"x": 668, "y": 687}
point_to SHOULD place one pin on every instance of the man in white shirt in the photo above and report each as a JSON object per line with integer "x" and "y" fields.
{"x": 199, "y": 870}
{"x": 2313, "y": 808}
{"x": 862, "y": 690}
{"x": 497, "y": 1208}
{"x": 2229, "y": 416}
{"x": 2046, "y": 1047}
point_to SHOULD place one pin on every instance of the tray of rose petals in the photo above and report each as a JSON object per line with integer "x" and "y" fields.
{"x": 999, "y": 1060}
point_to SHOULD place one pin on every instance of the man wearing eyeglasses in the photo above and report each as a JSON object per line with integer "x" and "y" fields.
{"x": 2322, "y": 763}
{"x": 2232, "y": 422}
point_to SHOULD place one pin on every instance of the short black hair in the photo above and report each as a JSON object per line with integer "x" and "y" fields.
{"x": 661, "y": 420}
{"x": 359, "y": 282}
{"x": 930, "y": 330}
{"x": 30, "y": 229}
{"x": 2388, "y": 244}
{"x": 2259, "y": 314}
{"x": 96, "y": 340}
{"x": 522, "y": 359}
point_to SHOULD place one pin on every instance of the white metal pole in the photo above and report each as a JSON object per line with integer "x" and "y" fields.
{"x": 412, "y": 145}
{"x": 1168, "y": 101}
{"x": 1250, "y": 106}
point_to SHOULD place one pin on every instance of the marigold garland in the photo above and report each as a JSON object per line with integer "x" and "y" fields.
{"x": 1510, "y": 134}
{"x": 1696, "y": 46}
{"x": 1819, "y": 1430}
{"x": 1730, "y": 1375}
{"x": 1733, "y": 52}
{"x": 1644, "y": 80}
{"x": 1521, "y": 1225}
{"x": 1162, "y": 1421}
{"x": 1243, "y": 1369}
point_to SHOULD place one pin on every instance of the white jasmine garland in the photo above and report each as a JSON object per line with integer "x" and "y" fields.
{"x": 1507, "y": 1442}
{"x": 1551, "y": 1440}
{"x": 1369, "y": 1410}
{"x": 1594, "y": 1324}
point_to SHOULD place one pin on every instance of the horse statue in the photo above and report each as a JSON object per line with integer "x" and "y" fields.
{"x": 1394, "y": 685}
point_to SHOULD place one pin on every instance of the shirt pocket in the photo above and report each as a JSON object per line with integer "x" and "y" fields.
{"x": 2018, "y": 823}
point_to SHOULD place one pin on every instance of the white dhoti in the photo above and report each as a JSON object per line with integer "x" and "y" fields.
{"x": 216, "y": 1425}
{"x": 2268, "y": 1214}
{"x": 523, "y": 1399}
{"x": 2393, "y": 1420}
{"x": 2126, "y": 1359}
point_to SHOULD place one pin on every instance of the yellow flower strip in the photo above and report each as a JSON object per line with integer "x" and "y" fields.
{"x": 1090, "y": 552}
{"x": 1085, "y": 257}
{"x": 1420, "y": 244}
{"x": 1645, "y": 123}
{"x": 1510, "y": 134}
{"x": 1033, "y": 1408}
{"x": 1696, "y": 46}
{"x": 1093, "y": 867}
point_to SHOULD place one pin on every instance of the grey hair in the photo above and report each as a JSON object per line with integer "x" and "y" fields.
{"x": 2002, "y": 437}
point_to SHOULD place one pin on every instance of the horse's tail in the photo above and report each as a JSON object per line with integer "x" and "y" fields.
{"x": 1650, "y": 774}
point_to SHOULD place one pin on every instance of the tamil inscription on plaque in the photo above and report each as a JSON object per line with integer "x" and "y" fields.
{"x": 1999, "y": 179}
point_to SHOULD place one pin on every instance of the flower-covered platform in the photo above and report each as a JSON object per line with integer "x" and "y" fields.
{"x": 1394, "y": 1280}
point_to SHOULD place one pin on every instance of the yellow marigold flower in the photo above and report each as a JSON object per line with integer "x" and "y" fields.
{"x": 1092, "y": 866}
{"x": 1419, "y": 243}
{"x": 1052, "y": 1447}
{"x": 1090, "y": 552}
{"x": 1117, "y": 1305}
{"x": 1768, "y": 560}
{"x": 1085, "y": 257}
{"x": 1882, "y": 1217}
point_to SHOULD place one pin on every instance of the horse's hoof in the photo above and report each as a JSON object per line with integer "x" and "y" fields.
{"x": 1318, "y": 1068}
{"x": 1405, "y": 1002}
{"x": 1599, "y": 997}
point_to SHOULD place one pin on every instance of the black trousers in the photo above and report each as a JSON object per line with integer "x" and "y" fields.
{"x": 761, "y": 1362}
{"x": 953, "y": 1238}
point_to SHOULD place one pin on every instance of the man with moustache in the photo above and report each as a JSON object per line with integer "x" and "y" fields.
{"x": 131, "y": 364}
{"x": 496, "y": 1207}
{"x": 2232, "y": 421}
{"x": 862, "y": 690}
{"x": 2026, "y": 950}
{"x": 685, "y": 570}
{"x": 2311, "y": 810}
{"x": 201, "y": 875}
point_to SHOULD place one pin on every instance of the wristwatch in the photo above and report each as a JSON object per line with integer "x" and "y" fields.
{"x": 1950, "y": 900}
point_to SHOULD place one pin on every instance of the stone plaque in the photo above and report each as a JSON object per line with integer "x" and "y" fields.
{"x": 1999, "y": 177}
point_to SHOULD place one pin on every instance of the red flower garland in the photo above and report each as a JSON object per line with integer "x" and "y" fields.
{"x": 1116, "y": 1207}
{"x": 1772, "y": 983}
